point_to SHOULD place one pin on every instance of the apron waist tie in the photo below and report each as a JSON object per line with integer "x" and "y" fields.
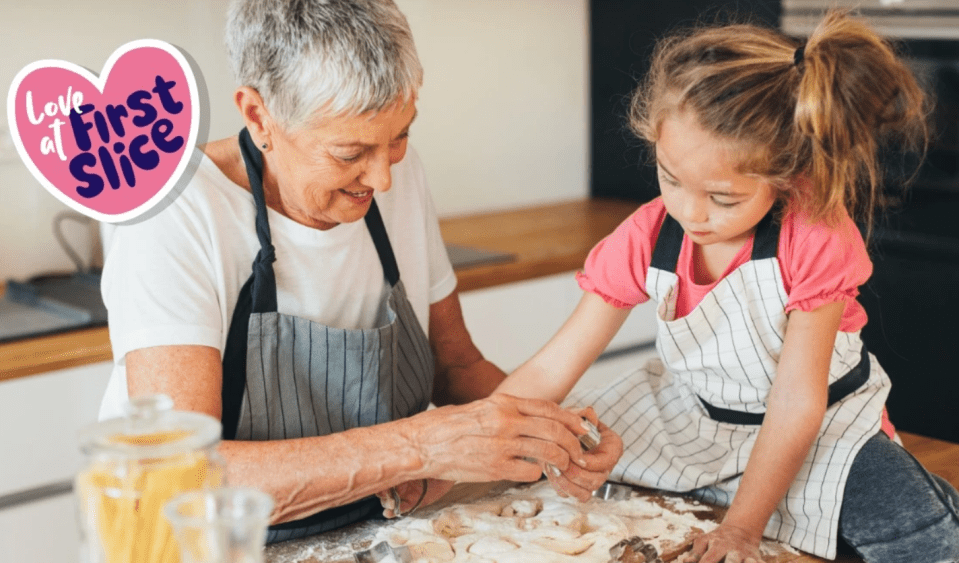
{"x": 838, "y": 390}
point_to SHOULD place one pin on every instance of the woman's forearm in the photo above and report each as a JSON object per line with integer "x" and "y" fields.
{"x": 307, "y": 475}
{"x": 461, "y": 384}
{"x": 487, "y": 440}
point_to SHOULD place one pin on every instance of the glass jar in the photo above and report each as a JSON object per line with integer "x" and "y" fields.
{"x": 227, "y": 525}
{"x": 135, "y": 464}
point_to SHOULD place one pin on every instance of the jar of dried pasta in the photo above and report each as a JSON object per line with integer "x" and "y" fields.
{"x": 135, "y": 464}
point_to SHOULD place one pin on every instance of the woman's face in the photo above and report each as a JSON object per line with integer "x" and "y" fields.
{"x": 701, "y": 187}
{"x": 326, "y": 173}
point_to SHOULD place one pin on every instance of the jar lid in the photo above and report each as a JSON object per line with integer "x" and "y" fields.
{"x": 150, "y": 429}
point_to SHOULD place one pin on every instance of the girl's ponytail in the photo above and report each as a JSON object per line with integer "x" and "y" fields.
{"x": 854, "y": 96}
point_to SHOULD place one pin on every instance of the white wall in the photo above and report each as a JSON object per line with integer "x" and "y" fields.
{"x": 504, "y": 109}
{"x": 502, "y": 113}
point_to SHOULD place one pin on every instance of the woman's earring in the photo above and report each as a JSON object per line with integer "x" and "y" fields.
{"x": 263, "y": 146}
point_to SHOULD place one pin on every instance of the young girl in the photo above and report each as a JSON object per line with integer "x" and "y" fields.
{"x": 763, "y": 397}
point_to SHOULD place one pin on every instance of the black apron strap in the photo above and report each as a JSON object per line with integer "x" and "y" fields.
{"x": 838, "y": 390}
{"x": 668, "y": 244}
{"x": 264, "y": 280}
{"x": 258, "y": 295}
{"x": 234, "y": 362}
{"x": 766, "y": 238}
{"x": 374, "y": 224}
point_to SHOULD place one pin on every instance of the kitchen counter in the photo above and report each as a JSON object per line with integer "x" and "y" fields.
{"x": 333, "y": 547}
{"x": 544, "y": 240}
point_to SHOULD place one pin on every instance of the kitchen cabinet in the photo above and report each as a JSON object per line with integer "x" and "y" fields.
{"x": 45, "y": 531}
{"x": 40, "y": 417}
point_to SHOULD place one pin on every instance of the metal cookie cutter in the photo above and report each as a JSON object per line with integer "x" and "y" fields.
{"x": 591, "y": 438}
{"x": 613, "y": 491}
{"x": 383, "y": 553}
{"x": 588, "y": 441}
{"x": 633, "y": 550}
{"x": 395, "y": 495}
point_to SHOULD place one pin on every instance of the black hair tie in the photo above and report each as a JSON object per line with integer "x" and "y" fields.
{"x": 799, "y": 55}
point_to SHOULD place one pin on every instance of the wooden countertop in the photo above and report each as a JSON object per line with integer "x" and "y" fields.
{"x": 334, "y": 547}
{"x": 546, "y": 239}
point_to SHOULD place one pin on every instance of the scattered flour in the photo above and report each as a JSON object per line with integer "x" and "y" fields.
{"x": 532, "y": 524}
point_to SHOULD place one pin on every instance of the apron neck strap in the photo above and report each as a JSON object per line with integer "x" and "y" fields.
{"x": 668, "y": 244}
{"x": 766, "y": 238}
{"x": 264, "y": 280}
{"x": 374, "y": 224}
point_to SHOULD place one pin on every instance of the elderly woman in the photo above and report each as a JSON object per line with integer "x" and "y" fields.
{"x": 315, "y": 358}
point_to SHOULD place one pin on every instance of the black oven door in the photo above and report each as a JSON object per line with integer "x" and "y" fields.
{"x": 913, "y": 296}
{"x": 912, "y": 300}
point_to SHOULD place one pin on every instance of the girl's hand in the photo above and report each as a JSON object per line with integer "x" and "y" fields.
{"x": 580, "y": 481}
{"x": 735, "y": 544}
{"x": 412, "y": 491}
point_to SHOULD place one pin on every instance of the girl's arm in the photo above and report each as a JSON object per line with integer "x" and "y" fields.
{"x": 794, "y": 413}
{"x": 555, "y": 369}
{"x": 553, "y": 372}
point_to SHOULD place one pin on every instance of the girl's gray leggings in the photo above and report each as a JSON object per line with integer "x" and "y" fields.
{"x": 894, "y": 511}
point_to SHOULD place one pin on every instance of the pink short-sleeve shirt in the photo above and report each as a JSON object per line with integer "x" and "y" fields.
{"x": 819, "y": 265}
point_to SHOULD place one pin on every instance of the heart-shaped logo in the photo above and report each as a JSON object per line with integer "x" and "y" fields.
{"x": 111, "y": 147}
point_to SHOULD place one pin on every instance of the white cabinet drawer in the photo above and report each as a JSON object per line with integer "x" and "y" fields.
{"x": 45, "y": 531}
{"x": 40, "y": 417}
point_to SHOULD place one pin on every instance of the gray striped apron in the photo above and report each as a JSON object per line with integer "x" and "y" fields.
{"x": 286, "y": 377}
{"x": 689, "y": 418}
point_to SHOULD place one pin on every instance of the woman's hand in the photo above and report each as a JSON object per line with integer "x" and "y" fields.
{"x": 497, "y": 438}
{"x": 412, "y": 496}
{"x": 735, "y": 544}
{"x": 580, "y": 481}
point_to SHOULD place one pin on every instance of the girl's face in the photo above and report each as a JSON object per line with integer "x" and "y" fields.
{"x": 701, "y": 188}
{"x": 326, "y": 173}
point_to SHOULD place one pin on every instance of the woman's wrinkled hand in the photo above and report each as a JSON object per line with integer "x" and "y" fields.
{"x": 579, "y": 481}
{"x": 412, "y": 496}
{"x": 497, "y": 438}
{"x": 734, "y": 544}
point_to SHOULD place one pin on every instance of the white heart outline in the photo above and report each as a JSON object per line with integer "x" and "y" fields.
{"x": 99, "y": 82}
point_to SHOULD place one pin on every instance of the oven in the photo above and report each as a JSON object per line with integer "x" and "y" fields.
{"x": 913, "y": 296}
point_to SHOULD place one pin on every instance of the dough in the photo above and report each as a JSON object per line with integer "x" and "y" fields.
{"x": 531, "y": 523}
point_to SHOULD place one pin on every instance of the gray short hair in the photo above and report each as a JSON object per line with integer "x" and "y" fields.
{"x": 345, "y": 57}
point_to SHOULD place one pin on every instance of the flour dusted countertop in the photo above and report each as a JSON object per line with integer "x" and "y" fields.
{"x": 938, "y": 456}
{"x": 528, "y": 523}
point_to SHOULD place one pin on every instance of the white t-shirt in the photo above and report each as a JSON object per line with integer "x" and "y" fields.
{"x": 174, "y": 279}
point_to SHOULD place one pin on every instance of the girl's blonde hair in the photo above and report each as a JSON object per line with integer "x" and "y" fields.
{"x": 810, "y": 118}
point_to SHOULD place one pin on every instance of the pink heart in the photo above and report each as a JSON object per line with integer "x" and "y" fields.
{"x": 111, "y": 147}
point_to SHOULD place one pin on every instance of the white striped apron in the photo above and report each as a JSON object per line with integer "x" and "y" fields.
{"x": 287, "y": 377}
{"x": 689, "y": 418}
